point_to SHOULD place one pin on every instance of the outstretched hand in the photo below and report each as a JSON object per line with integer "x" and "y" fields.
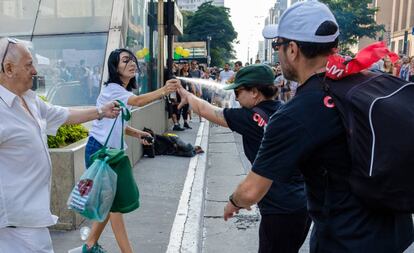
{"x": 172, "y": 85}
{"x": 142, "y": 138}
{"x": 184, "y": 94}
{"x": 111, "y": 110}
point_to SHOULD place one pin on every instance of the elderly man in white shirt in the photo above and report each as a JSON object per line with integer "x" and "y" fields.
{"x": 25, "y": 165}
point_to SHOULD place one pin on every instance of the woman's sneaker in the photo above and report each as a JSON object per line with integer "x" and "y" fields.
{"x": 94, "y": 249}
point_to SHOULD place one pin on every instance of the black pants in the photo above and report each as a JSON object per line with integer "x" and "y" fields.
{"x": 284, "y": 233}
{"x": 184, "y": 112}
{"x": 180, "y": 112}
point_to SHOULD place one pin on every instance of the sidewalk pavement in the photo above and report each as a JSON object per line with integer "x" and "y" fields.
{"x": 225, "y": 171}
{"x": 160, "y": 181}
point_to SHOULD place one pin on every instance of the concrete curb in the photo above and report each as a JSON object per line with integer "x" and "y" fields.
{"x": 186, "y": 233}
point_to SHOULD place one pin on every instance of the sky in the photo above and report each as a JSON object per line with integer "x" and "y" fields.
{"x": 248, "y": 18}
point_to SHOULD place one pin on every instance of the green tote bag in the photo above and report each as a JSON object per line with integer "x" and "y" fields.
{"x": 127, "y": 193}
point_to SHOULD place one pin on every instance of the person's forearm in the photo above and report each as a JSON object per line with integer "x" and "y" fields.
{"x": 147, "y": 98}
{"x": 77, "y": 116}
{"x": 243, "y": 199}
{"x": 206, "y": 110}
{"x": 132, "y": 132}
{"x": 251, "y": 190}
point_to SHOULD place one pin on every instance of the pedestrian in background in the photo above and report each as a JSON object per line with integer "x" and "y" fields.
{"x": 388, "y": 66}
{"x": 122, "y": 67}
{"x": 308, "y": 135}
{"x": 25, "y": 165}
{"x": 285, "y": 222}
{"x": 225, "y": 74}
{"x": 405, "y": 68}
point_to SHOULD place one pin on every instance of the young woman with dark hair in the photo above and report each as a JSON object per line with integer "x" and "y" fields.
{"x": 122, "y": 67}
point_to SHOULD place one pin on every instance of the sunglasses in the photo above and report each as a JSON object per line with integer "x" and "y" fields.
{"x": 277, "y": 44}
{"x": 9, "y": 41}
{"x": 237, "y": 91}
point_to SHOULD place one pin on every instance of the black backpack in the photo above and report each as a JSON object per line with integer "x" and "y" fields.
{"x": 377, "y": 110}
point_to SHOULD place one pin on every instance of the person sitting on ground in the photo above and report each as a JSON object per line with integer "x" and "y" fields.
{"x": 285, "y": 222}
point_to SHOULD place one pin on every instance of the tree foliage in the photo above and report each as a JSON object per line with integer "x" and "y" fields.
{"x": 214, "y": 21}
{"x": 355, "y": 19}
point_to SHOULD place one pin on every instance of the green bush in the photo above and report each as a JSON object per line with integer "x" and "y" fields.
{"x": 66, "y": 134}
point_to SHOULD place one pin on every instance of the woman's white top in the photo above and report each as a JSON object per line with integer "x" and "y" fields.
{"x": 100, "y": 128}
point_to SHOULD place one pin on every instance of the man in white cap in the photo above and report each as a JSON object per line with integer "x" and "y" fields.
{"x": 308, "y": 135}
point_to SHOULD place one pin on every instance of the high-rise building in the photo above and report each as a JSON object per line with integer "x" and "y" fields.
{"x": 192, "y": 5}
{"x": 273, "y": 18}
{"x": 261, "y": 51}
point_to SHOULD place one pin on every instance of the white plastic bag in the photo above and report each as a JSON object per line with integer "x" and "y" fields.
{"x": 93, "y": 195}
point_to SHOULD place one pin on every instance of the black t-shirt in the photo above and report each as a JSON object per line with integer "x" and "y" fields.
{"x": 307, "y": 135}
{"x": 282, "y": 197}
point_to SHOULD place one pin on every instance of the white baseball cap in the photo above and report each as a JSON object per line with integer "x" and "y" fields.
{"x": 301, "y": 21}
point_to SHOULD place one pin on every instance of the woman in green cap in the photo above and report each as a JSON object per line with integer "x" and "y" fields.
{"x": 285, "y": 223}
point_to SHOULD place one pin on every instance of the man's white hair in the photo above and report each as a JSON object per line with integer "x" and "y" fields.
{"x": 4, "y": 41}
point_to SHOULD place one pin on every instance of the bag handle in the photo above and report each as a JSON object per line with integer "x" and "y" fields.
{"x": 125, "y": 115}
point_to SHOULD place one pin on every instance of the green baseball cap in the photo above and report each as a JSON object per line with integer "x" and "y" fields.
{"x": 253, "y": 75}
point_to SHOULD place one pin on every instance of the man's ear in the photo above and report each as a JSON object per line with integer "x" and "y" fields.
{"x": 293, "y": 51}
{"x": 8, "y": 69}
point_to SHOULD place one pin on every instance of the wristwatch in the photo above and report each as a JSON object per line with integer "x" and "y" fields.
{"x": 233, "y": 203}
{"x": 100, "y": 113}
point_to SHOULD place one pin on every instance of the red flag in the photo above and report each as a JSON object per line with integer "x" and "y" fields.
{"x": 338, "y": 68}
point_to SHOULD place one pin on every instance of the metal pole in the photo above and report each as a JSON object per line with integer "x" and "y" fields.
{"x": 170, "y": 20}
{"x": 35, "y": 21}
{"x": 405, "y": 43}
{"x": 208, "y": 51}
{"x": 161, "y": 42}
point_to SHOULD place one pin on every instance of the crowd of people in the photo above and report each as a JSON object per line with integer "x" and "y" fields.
{"x": 403, "y": 68}
{"x": 216, "y": 94}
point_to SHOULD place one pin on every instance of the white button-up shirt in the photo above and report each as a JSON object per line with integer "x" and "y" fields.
{"x": 25, "y": 165}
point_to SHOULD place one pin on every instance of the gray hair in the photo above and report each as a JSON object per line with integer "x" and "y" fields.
{"x": 4, "y": 42}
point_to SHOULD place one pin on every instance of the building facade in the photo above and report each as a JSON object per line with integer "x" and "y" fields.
{"x": 401, "y": 26}
{"x": 397, "y": 16}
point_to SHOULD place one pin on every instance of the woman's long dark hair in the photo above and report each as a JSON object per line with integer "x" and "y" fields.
{"x": 113, "y": 62}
